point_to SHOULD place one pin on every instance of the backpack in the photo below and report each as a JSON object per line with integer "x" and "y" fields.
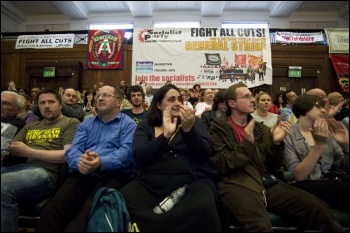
{"x": 108, "y": 212}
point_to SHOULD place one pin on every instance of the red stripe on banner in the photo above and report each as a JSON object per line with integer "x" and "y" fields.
{"x": 105, "y": 49}
{"x": 341, "y": 65}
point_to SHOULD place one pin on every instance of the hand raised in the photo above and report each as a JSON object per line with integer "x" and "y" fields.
{"x": 187, "y": 117}
{"x": 281, "y": 131}
{"x": 249, "y": 130}
{"x": 320, "y": 131}
{"x": 169, "y": 124}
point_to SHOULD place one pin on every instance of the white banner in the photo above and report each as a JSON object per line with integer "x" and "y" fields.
{"x": 45, "y": 41}
{"x": 211, "y": 57}
{"x": 338, "y": 39}
{"x": 295, "y": 37}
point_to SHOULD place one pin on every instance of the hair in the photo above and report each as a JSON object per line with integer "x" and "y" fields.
{"x": 219, "y": 98}
{"x": 135, "y": 88}
{"x": 284, "y": 96}
{"x": 304, "y": 103}
{"x": 50, "y": 91}
{"x": 257, "y": 90}
{"x": 87, "y": 92}
{"x": 19, "y": 101}
{"x": 196, "y": 85}
{"x": 231, "y": 94}
{"x": 155, "y": 117}
{"x": 64, "y": 90}
{"x": 19, "y": 88}
{"x": 275, "y": 98}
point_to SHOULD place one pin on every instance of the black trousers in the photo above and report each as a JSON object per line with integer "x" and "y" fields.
{"x": 70, "y": 208}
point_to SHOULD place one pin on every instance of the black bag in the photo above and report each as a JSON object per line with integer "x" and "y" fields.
{"x": 268, "y": 179}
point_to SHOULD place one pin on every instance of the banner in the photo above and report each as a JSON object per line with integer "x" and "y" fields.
{"x": 338, "y": 40}
{"x": 211, "y": 57}
{"x": 105, "y": 49}
{"x": 295, "y": 37}
{"x": 45, "y": 41}
{"x": 341, "y": 65}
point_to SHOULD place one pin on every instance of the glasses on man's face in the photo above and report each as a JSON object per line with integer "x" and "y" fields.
{"x": 246, "y": 97}
{"x": 105, "y": 96}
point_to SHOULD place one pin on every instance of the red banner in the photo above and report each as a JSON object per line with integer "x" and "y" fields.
{"x": 105, "y": 49}
{"x": 341, "y": 65}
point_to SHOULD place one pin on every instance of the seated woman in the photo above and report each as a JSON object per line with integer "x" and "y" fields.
{"x": 315, "y": 146}
{"x": 261, "y": 113}
{"x": 172, "y": 149}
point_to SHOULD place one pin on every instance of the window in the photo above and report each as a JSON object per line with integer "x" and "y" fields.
{"x": 244, "y": 24}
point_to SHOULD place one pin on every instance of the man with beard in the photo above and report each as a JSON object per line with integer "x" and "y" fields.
{"x": 44, "y": 144}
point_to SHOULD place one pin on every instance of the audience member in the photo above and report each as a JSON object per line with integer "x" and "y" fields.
{"x": 168, "y": 83}
{"x": 336, "y": 99}
{"x": 22, "y": 91}
{"x": 258, "y": 90}
{"x": 288, "y": 97}
{"x": 185, "y": 97}
{"x": 89, "y": 102}
{"x": 125, "y": 103}
{"x": 33, "y": 93}
{"x": 70, "y": 107}
{"x": 246, "y": 153}
{"x": 261, "y": 113}
{"x": 171, "y": 149}
{"x": 195, "y": 94}
{"x": 149, "y": 96}
{"x": 25, "y": 113}
{"x": 313, "y": 148}
{"x": 122, "y": 85}
{"x": 207, "y": 97}
{"x": 43, "y": 143}
{"x": 136, "y": 97}
{"x": 277, "y": 103}
{"x": 11, "y": 104}
{"x": 219, "y": 109}
{"x": 100, "y": 155}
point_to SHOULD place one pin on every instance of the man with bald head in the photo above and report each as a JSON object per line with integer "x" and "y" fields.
{"x": 335, "y": 99}
{"x": 330, "y": 110}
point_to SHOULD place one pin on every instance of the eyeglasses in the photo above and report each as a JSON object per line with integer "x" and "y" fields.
{"x": 105, "y": 96}
{"x": 246, "y": 97}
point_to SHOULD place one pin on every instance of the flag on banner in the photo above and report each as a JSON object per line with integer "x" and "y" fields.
{"x": 341, "y": 65}
{"x": 241, "y": 60}
{"x": 105, "y": 49}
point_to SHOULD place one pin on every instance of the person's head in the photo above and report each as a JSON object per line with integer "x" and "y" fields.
{"x": 219, "y": 102}
{"x": 108, "y": 100}
{"x": 310, "y": 106}
{"x": 263, "y": 101}
{"x": 207, "y": 95}
{"x": 319, "y": 92}
{"x": 122, "y": 83}
{"x": 50, "y": 104}
{"x": 33, "y": 93}
{"x": 136, "y": 95}
{"x": 89, "y": 96}
{"x": 215, "y": 91}
{"x": 166, "y": 96}
{"x": 11, "y": 104}
{"x": 289, "y": 97}
{"x": 69, "y": 96}
{"x": 238, "y": 98}
{"x": 277, "y": 98}
{"x": 149, "y": 90}
{"x": 184, "y": 94}
{"x": 21, "y": 90}
{"x": 26, "y": 101}
{"x": 168, "y": 82}
{"x": 101, "y": 84}
{"x": 335, "y": 98}
{"x": 197, "y": 87}
{"x": 258, "y": 90}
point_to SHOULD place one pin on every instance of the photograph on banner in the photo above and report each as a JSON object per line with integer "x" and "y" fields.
{"x": 211, "y": 57}
{"x": 338, "y": 40}
{"x": 105, "y": 50}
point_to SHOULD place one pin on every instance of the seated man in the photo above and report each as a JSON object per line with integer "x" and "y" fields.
{"x": 11, "y": 104}
{"x": 100, "y": 155}
{"x": 247, "y": 153}
{"x": 136, "y": 96}
{"x": 43, "y": 143}
{"x": 70, "y": 107}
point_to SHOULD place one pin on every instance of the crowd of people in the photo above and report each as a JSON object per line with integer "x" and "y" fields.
{"x": 225, "y": 145}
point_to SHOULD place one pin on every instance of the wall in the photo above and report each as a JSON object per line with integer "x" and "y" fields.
{"x": 317, "y": 69}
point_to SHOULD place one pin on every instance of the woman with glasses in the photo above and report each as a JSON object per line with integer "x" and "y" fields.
{"x": 316, "y": 146}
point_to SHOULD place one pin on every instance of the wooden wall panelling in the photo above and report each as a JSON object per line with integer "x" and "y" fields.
{"x": 9, "y": 64}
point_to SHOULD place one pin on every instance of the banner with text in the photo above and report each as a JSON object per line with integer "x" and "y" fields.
{"x": 211, "y": 57}
{"x": 341, "y": 66}
{"x": 105, "y": 50}
{"x": 338, "y": 40}
{"x": 45, "y": 41}
{"x": 295, "y": 37}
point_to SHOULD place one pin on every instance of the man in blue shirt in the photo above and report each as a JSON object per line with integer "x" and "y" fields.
{"x": 288, "y": 98}
{"x": 100, "y": 155}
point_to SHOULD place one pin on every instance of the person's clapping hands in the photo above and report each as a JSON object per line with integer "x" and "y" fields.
{"x": 187, "y": 117}
{"x": 319, "y": 131}
{"x": 281, "y": 130}
{"x": 339, "y": 133}
{"x": 169, "y": 124}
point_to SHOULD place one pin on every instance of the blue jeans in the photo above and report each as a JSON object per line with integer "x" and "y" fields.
{"x": 22, "y": 183}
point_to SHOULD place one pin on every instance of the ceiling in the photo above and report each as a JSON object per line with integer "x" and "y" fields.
{"x": 81, "y": 9}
